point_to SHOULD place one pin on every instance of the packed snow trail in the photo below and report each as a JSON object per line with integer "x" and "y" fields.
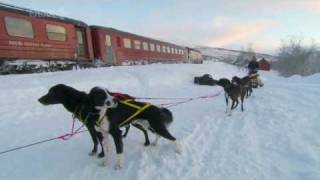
{"x": 276, "y": 137}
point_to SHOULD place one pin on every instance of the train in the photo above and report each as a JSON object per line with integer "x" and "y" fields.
{"x": 34, "y": 41}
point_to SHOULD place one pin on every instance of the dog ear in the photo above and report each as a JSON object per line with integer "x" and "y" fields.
{"x": 97, "y": 96}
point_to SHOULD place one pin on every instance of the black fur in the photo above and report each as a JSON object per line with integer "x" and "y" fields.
{"x": 245, "y": 83}
{"x": 78, "y": 103}
{"x": 117, "y": 116}
{"x": 84, "y": 105}
{"x": 232, "y": 91}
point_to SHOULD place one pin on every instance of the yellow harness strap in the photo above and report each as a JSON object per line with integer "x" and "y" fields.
{"x": 127, "y": 102}
{"x": 139, "y": 110}
{"x": 98, "y": 123}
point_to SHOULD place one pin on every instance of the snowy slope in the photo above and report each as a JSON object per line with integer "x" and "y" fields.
{"x": 277, "y": 137}
{"x": 230, "y": 56}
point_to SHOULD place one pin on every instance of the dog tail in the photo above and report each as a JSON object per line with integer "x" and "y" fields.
{"x": 166, "y": 116}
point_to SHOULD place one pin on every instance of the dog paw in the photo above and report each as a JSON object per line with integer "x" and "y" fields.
{"x": 92, "y": 153}
{"x": 119, "y": 162}
{"x": 178, "y": 148}
{"x": 118, "y": 167}
{"x": 101, "y": 155}
{"x": 104, "y": 163}
{"x": 147, "y": 143}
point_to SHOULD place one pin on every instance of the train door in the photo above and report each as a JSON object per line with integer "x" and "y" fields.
{"x": 109, "y": 50}
{"x": 81, "y": 44}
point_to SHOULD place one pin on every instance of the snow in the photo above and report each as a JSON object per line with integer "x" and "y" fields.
{"x": 230, "y": 56}
{"x": 276, "y": 137}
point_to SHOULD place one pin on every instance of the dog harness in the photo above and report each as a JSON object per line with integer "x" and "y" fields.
{"x": 78, "y": 114}
{"x": 128, "y": 102}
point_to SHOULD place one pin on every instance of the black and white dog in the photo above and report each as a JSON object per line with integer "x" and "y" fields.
{"x": 104, "y": 115}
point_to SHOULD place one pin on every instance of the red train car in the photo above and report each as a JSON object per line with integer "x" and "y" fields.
{"x": 115, "y": 47}
{"x": 29, "y": 38}
{"x": 195, "y": 56}
{"x": 32, "y": 35}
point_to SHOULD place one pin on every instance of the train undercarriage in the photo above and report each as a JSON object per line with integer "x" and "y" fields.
{"x": 34, "y": 66}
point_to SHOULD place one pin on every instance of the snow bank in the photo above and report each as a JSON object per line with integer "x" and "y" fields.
{"x": 277, "y": 137}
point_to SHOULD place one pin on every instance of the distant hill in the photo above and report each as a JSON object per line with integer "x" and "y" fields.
{"x": 231, "y": 56}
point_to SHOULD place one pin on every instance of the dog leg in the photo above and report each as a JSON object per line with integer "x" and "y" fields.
{"x": 178, "y": 146}
{"x": 93, "y": 135}
{"x": 105, "y": 147}
{"x": 119, "y": 163}
{"x": 104, "y": 129}
{"x": 147, "y": 142}
{"x": 100, "y": 137}
{"x": 127, "y": 130}
{"x": 237, "y": 103}
{"x": 230, "y": 111}
{"x": 226, "y": 98}
{"x": 155, "y": 142}
{"x": 117, "y": 138}
{"x": 242, "y": 99}
{"x": 231, "y": 108}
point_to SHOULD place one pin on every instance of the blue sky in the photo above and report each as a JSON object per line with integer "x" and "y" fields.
{"x": 235, "y": 24}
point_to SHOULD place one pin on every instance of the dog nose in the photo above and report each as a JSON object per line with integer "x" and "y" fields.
{"x": 108, "y": 103}
{"x": 40, "y": 100}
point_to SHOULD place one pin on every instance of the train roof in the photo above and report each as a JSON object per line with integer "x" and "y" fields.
{"x": 131, "y": 34}
{"x": 40, "y": 14}
{"x": 196, "y": 50}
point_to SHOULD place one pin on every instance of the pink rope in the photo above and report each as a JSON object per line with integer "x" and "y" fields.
{"x": 68, "y": 136}
{"x": 191, "y": 99}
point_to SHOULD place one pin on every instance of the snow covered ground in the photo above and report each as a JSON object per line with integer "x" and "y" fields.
{"x": 230, "y": 56}
{"x": 276, "y": 137}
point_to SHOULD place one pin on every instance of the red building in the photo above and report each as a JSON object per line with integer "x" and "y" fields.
{"x": 264, "y": 65}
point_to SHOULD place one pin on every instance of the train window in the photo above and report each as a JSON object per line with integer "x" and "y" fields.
{"x": 108, "y": 40}
{"x": 19, "y": 27}
{"x": 175, "y": 50}
{"x": 127, "y": 43}
{"x": 80, "y": 37}
{"x": 57, "y": 33}
{"x": 145, "y": 46}
{"x": 172, "y": 50}
{"x": 137, "y": 44}
{"x": 164, "y": 49}
{"x": 158, "y": 48}
{"x": 152, "y": 47}
{"x": 168, "y": 49}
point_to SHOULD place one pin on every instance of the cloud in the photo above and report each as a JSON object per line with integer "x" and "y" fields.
{"x": 230, "y": 33}
{"x": 275, "y": 6}
{"x": 221, "y": 31}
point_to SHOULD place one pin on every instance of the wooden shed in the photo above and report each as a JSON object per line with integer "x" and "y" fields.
{"x": 264, "y": 65}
